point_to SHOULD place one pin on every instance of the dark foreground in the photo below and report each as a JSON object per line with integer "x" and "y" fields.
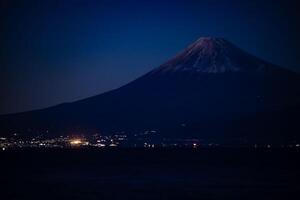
{"x": 150, "y": 174}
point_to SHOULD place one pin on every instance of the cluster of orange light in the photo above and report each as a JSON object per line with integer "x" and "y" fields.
{"x": 75, "y": 142}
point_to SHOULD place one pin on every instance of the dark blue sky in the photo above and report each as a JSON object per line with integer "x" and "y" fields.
{"x": 60, "y": 51}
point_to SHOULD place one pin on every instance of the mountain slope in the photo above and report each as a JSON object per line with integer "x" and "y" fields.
{"x": 214, "y": 88}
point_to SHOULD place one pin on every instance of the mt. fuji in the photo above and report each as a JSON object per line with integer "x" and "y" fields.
{"x": 218, "y": 91}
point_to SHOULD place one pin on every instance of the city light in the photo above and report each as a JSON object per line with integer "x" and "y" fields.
{"x": 75, "y": 142}
{"x": 121, "y": 140}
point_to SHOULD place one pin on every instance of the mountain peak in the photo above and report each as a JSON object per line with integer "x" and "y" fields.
{"x": 213, "y": 55}
{"x": 209, "y": 45}
{"x": 209, "y": 41}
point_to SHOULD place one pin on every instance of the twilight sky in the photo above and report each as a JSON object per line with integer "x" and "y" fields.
{"x": 61, "y": 51}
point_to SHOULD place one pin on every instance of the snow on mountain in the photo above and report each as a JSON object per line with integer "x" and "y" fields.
{"x": 213, "y": 55}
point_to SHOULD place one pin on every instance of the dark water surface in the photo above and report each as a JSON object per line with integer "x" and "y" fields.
{"x": 150, "y": 174}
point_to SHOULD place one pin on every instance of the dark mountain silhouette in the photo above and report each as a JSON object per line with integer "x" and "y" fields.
{"x": 212, "y": 90}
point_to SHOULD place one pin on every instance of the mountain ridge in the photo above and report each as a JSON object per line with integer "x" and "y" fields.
{"x": 213, "y": 101}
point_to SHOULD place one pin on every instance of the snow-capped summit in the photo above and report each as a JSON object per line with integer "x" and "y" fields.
{"x": 213, "y": 55}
